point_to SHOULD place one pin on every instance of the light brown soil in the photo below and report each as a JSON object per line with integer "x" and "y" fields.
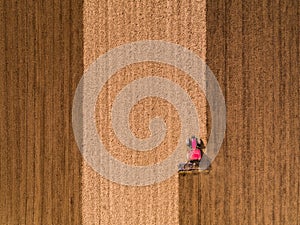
{"x": 107, "y": 25}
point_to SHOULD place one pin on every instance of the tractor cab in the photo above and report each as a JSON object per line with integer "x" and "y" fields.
{"x": 194, "y": 155}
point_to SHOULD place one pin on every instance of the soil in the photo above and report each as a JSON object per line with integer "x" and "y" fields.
{"x": 251, "y": 46}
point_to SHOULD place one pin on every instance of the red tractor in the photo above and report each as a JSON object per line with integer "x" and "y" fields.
{"x": 194, "y": 155}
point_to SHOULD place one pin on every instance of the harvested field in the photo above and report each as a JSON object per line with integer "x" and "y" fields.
{"x": 251, "y": 46}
